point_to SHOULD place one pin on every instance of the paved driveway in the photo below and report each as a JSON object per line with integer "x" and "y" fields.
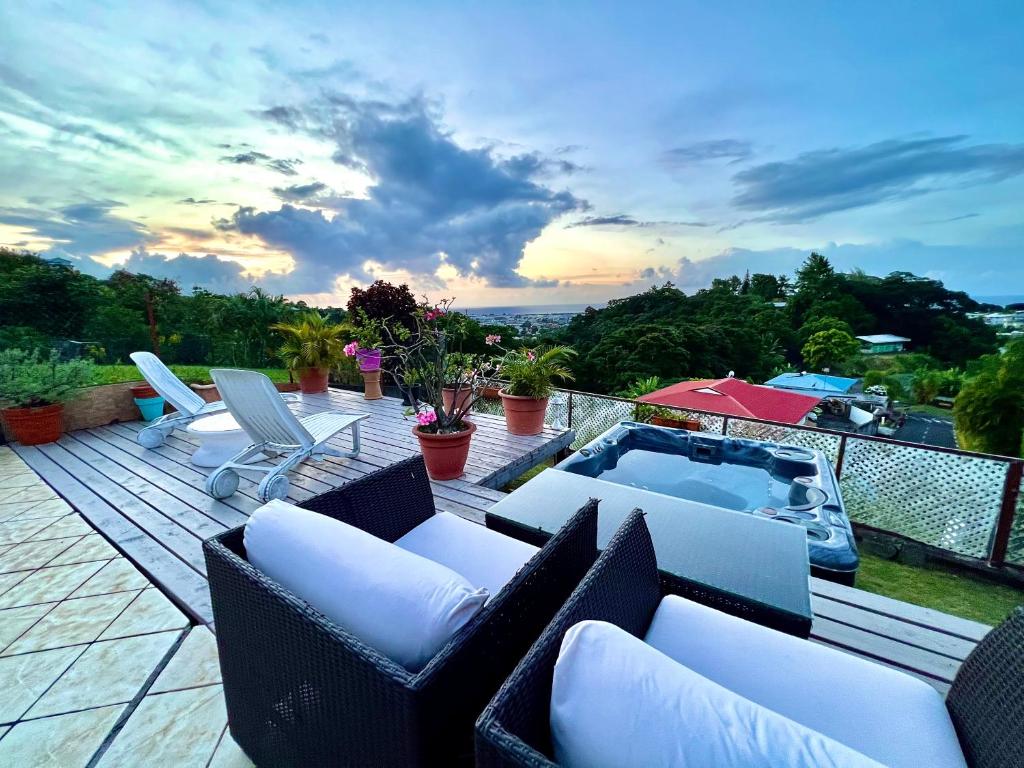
{"x": 927, "y": 430}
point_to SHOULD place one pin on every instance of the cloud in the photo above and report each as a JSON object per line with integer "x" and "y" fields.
{"x": 194, "y": 201}
{"x": 252, "y": 157}
{"x": 825, "y": 181}
{"x": 625, "y": 220}
{"x": 432, "y": 202}
{"x": 701, "y": 151}
{"x": 315, "y": 194}
{"x": 209, "y": 271}
{"x": 80, "y": 229}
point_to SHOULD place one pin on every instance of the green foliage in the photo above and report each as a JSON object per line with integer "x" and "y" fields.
{"x": 311, "y": 342}
{"x": 531, "y": 373}
{"x": 190, "y": 374}
{"x": 828, "y": 349}
{"x": 30, "y": 379}
{"x": 383, "y": 301}
{"x": 893, "y": 386}
{"x": 989, "y": 411}
{"x": 929, "y": 384}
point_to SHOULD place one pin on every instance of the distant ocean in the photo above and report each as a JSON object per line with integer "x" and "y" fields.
{"x": 538, "y": 309}
{"x": 1001, "y": 300}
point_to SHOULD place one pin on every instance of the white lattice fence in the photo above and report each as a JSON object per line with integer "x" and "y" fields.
{"x": 1015, "y": 548}
{"x": 941, "y": 499}
{"x": 777, "y": 433}
{"x": 593, "y": 415}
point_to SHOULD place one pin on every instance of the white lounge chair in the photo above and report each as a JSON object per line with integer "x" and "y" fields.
{"x": 254, "y": 402}
{"x": 188, "y": 404}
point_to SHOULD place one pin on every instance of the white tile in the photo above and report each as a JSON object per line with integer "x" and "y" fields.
{"x": 70, "y": 525}
{"x": 195, "y": 663}
{"x": 8, "y": 580}
{"x": 30, "y": 510}
{"x": 31, "y": 555}
{"x": 36, "y": 492}
{"x": 87, "y": 549}
{"x": 14, "y": 622}
{"x": 16, "y": 531}
{"x": 229, "y": 754}
{"x": 66, "y": 741}
{"x": 18, "y": 479}
{"x": 110, "y": 672}
{"x": 119, "y": 575}
{"x": 48, "y": 584}
{"x": 150, "y": 612}
{"x": 23, "y": 679}
{"x": 80, "y": 620}
{"x": 181, "y": 728}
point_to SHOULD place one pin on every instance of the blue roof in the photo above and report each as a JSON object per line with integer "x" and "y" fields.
{"x": 814, "y": 382}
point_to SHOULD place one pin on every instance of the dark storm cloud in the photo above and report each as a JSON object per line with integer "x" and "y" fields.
{"x": 718, "y": 149}
{"x": 624, "y": 220}
{"x": 81, "y": 229}
{"x": 432, "y": 201}
{"x": 252, "y": 157}
{"x": 297, "y": 193}
{"x": 824, "y": 181}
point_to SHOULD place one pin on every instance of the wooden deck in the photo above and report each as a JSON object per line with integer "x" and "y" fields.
{"x": 152, "y": 505}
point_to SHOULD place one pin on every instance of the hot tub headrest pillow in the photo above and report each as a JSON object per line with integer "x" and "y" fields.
{"x": 616, "y": 701}
{"x": 403, "y": 605}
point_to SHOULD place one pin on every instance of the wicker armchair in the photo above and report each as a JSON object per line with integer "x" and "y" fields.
{"x": 301, "y": 691}
{"x": 986, "y": 702}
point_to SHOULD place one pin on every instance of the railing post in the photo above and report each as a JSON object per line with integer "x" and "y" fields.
{"x": 1004, "y": 523}
{"x": 569, "y": 411}
{"x": 725, "y": 426}
{"x": 840, "y": 456}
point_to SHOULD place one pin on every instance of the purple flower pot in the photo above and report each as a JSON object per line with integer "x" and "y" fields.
{"x": 369, "y": 359}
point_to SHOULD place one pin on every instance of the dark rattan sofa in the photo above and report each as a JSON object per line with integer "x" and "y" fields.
{"x": 986, "y": 702}
{"x": 301, "y": 691}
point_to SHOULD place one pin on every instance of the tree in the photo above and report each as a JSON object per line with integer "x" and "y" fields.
{"x": 385, "y": 301}
{"x": 989, "y": 411}
{"x": 826, "y": 323}
{"x": 766, "y": 286}
{"x": 828, "y": 349}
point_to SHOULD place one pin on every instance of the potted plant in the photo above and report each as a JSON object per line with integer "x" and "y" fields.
{"x": 458, "y": 365}
{"x": 659, "y": 415}
{"x": 418, "y": 361}
{"x": 530, "y": 373}
{"x": 312, "y": 347}
{"x": 366, "y": 348}
{"x": 33, "y": 390}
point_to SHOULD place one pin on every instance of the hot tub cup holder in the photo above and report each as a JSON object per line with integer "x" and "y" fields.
{"x": 815, "y": 532}
{"x": 804, "y": 495}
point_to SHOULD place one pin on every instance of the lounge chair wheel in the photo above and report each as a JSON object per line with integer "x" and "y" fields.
{"x": 273, "y": 487}
{"x": 151, "y": 437}
{"x": 222, "y": 483}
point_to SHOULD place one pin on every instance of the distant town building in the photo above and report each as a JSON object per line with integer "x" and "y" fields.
{"x": 881, "y": 343}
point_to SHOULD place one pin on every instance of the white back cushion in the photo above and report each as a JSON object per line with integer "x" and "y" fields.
{"x": 895, "y": 718}
{"x": 401, "y": 604}
{"x": 616, "y": 701}
{"x": 484, "y": 557}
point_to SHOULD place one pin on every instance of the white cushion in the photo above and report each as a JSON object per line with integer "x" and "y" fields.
{"x": 484, "y": 557}
{"x": 616, "y": 701}
{"x": 405, "y": 606}
{"x": 888, "y": 715}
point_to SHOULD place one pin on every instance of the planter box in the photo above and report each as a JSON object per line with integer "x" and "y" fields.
{"x": 663, "y": 421}
{"x": 208, "y": 392}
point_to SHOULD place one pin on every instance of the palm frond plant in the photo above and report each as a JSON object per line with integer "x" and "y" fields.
{"x": 530, "y": 376}
{"x": 313, "y": 346}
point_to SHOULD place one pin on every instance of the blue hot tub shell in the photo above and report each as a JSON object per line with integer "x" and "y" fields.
{"x": 788, "y": 483}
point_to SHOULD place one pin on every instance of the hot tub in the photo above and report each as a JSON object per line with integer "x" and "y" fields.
{"x": 790, "y": 484}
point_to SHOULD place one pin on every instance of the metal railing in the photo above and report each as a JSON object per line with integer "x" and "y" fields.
{"x": 958, "y": 501}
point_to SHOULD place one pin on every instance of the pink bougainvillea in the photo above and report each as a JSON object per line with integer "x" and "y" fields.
{"x": 351, "y": 348}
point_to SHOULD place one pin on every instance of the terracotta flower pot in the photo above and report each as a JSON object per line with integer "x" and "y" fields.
{"x": 371, "y": 385}
{"x": 34, "y": 426}
{"x": 287, "y": 386}
{"x": 448, "y": 398}
{"x": 524, "y": 415}
{"x": 143, "y": 391}
{"x": 492, "y": 393}
{"x": 445, "y": 455}
{"x": 208, "y": 392}
{"x": 312, "y": 381}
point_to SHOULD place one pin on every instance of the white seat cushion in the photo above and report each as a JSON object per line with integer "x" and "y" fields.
{"x": 892, "y": 717}
{"x": 484, "y": 557}
{"x": 403, "y": 605}
{"x": 616, "y": 701}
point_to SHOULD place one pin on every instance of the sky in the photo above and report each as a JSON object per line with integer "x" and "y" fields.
{"x": 514, "y": 154}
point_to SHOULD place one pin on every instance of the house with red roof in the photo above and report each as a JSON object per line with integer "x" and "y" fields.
{"x": 734, "y": 397}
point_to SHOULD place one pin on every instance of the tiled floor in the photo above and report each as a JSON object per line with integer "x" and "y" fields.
{"x": 97, "y": 667}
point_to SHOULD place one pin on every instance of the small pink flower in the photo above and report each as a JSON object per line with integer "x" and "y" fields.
{"x": 351, "y": 348}
{"x": 492, "y": 339}
{"x": 426, "y": 417}
{"x": 530, "y": 356}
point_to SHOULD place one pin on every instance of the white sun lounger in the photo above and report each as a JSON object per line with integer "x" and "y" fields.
{"x": 275, "y": 431}
{"x": 188, "y": 404}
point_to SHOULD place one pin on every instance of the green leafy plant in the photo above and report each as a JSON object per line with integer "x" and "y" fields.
{"x": 366, "y": 331}
{"x": 531, "y": 372}
{"x": 31, "y": 379}
{"x": 311, "y": 342}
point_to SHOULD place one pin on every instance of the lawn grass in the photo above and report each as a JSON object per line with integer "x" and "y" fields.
{"x": 528, "y": 475}
{"x": 116, "y": 374}
{"x": 947, "y": 589}
{"x": 933, "y": 411}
